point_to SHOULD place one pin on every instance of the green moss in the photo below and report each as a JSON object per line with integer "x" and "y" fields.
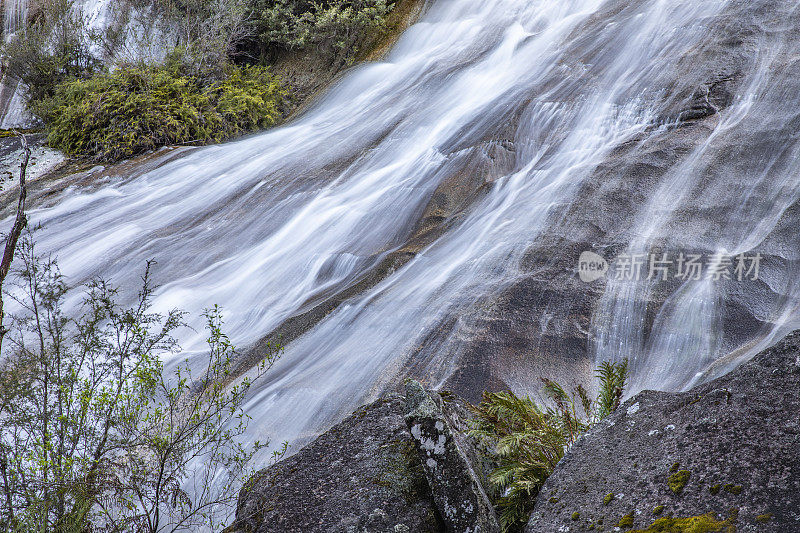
{"x": 658, "y": 510}
{"x": 402, "y": 471}
{"x": 714, "y": 489}
{"x": 678, "y": 481}
{"x": 732, "y": 489}
{"x": 675, "y": 467}
{"x": 113, "y": 116}
{"x": 609, "y": 498}
{"x": 553, "y": 500}
{"x": 576, "y": 516}
{"x": 626, "y": 522}
{"x": 706, "y": 523}
{"x": 764, "y": 518}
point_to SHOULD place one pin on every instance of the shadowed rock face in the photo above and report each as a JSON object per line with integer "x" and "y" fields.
{"x": 455, "y": 485}
{"x": 731, "y": 444}
{"x": 398, "y": 465}
{"x": 362, "y": 475}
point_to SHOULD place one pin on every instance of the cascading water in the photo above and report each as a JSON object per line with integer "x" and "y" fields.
{"x": 15, "y": 13}
{"x": 273, "y": 224}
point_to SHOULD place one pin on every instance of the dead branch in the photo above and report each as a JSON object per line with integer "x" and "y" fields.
{"x": 16, "y": 230}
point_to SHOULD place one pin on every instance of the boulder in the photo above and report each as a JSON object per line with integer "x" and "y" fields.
{"x": 361, "y": 476}
{"x": 455, "y": 485}
{"x": 724, "y": 456}
{"x": 398, "y": 465}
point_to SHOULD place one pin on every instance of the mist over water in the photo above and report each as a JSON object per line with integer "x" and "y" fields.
{"x": 270, "y": 225}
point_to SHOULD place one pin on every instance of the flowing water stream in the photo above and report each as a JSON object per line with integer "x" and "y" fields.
{"x": 271, "y": 224}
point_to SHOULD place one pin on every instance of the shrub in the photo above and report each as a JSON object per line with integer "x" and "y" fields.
{"x": 206, "y": 33}
{"x": 337, "y": 27}
{"x": 530, "y": 439}
{"x": 95, "y": 435}
{"x": 135, "y": 109}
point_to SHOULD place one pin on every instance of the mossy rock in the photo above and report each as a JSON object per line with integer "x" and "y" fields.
{"x": 706, "y": 523}
{"x": 677, "y": 481}
{"x": 626, "y": 522}
{"x": 733, "y": 489}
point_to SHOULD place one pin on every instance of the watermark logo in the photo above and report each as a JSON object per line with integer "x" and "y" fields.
{"x": 592, "y": 267}
{"x": 666, "y": 266}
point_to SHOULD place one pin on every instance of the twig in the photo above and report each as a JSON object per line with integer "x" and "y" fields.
{"x": 16, "y": 230}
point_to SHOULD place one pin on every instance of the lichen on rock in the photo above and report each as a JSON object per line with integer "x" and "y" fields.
{"x": 454, "y": 484}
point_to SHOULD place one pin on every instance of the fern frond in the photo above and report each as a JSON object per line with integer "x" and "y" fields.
{"x": 530, "y": 439}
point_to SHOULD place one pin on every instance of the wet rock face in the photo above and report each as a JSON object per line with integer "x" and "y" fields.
{"x": 455, "y": 486}
{"x": 730, "y": 447}
{"x": 547, "y": 322}
{"x": 363, "y": 475}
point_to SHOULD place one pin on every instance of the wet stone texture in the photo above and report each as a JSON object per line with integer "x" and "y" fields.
{"x": 729, "y": 447}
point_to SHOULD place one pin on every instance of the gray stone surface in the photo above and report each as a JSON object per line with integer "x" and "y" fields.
{"x": 369, "y": 474}
{"x": 456, "y": 487}
{"x": 362, "y": 476}
{"x": 736, "y": 439}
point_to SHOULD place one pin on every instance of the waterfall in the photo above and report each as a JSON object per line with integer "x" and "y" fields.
{"x": 15, "y": 12}
{"x": 568, "y": 113}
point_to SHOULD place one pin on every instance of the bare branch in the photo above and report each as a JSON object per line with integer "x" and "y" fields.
{"x": 16, "y": 230}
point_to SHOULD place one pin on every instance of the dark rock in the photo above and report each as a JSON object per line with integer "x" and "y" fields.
{"x": 369, "y": 475}
{"x": 729, "y": 446}
{"x": 363, "y": 475}
{"x": 455, "y": 485}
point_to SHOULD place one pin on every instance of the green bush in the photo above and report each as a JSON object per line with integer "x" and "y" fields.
{"x": 337, "y": 27}
{"x": 530, "y": 439}
{"x": 95, "y": 434}
{"x": 134, "y": 109}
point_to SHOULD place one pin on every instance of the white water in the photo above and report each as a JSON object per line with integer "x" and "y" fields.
{"x": 15, "y": 13}
{"x": 264, "y": 225}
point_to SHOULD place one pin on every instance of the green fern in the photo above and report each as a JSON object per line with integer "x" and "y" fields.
{"x": 613, "y": 378}
{"x": 530, "y": 439}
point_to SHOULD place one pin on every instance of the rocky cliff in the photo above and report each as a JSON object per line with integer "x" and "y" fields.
{"x": 730, "y": 447}
{"x": 724, "y": 456}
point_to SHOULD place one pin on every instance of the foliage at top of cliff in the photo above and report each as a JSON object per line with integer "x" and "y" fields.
{"x": 211, "y": 83}
{"x": 337, "y": 27}
{"x": 134, "y": 109}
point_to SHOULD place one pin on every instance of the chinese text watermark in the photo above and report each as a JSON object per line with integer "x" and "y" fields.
{"x": 665, "y": 266}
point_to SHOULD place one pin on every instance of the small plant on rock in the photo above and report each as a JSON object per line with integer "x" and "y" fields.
{"x": 530, "y": 439}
